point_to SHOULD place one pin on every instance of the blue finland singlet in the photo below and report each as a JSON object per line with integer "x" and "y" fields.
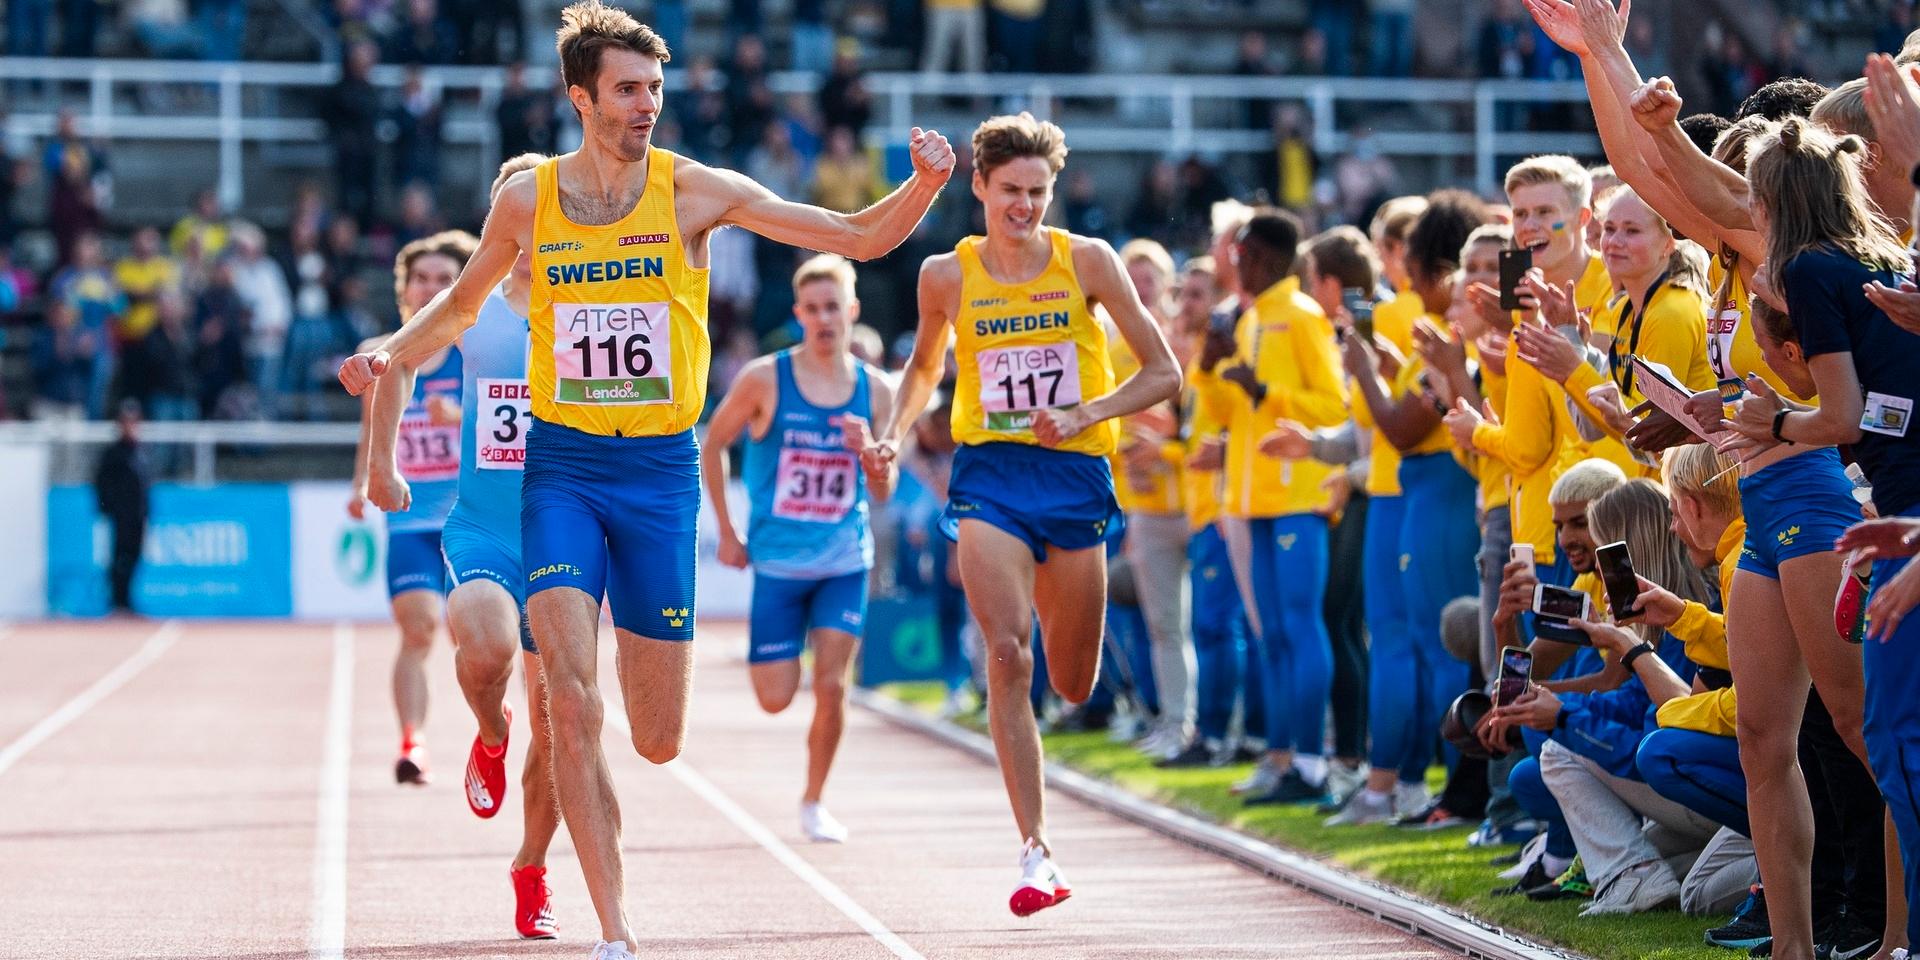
{"x": 808, "y": 496}
{"x": 428, "y": 454}
{"x": 496, "y": 410}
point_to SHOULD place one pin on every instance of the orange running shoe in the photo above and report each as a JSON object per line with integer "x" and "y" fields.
{"x": 487, "y": 772}
{"x": 532, "y": 911}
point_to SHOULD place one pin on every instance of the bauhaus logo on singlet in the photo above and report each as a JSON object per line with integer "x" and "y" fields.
{"x": 606, "y": 271}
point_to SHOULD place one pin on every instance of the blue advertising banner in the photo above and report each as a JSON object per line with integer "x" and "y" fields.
{"x": 222, "y": 551}
{"x": 902, "y": 641}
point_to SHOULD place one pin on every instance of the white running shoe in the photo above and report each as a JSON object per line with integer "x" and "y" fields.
{"x": 1363, "y": 807}
{"x": 1042, "y": 885}
{"x": 1639, "y": 888}
{"x": 1344, "y": 781}
{"x": 1264, "y": 779}
{"x": 1534, "y": 850}
{"x": 819, "y": 825}
{"x": 1410, "y": 798}
{"x": 617, "y": 950}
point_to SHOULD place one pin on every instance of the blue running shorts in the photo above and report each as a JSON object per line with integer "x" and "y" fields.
{"x": 786, "y": 610}
{"x": 614, "y": 517}
{"x": 477, "y": 553}
{"x": 1044, "y": 497}
{"x": 1797, "y": 506}
{"x": 413, "y": 562}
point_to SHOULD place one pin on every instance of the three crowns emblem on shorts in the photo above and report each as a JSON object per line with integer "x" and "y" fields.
{"x": 676, "y": 618}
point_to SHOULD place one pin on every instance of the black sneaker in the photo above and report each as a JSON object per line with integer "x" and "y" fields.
{"x": 1749, "y": 927}
{"x": 1536, "y": 876}
{"x": 1846, "y": 939}
{"x": 1293, "y": 788}
{"x": 1762, "y": 949}
{"x": 1196, "y": 754}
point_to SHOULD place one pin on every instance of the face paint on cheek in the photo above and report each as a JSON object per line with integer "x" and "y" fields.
{"x": 1559, "y": 227}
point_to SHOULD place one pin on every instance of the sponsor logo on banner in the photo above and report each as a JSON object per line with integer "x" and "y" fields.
{"x": 339, "y": 568}
{"x": 209, "y": 551}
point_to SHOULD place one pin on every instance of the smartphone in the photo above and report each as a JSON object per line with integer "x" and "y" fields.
{"x": 1561, "y": 603}
{"x": 1520, "y": 551}
{"x": 1514, "y": 265}
{"x": 1616, "y": 571}
{"x": 1516, "y": 674}
{"x": 1360, "y": 308}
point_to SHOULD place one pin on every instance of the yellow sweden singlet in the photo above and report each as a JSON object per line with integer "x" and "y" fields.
{"x": 617, "y": 317}
{"x": 1024, "y": 347}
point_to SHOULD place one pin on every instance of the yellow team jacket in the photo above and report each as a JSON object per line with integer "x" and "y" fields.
{"x": 1200, "y": 489}
{"x": 1672, "y": 332}
{"x": 1289, "y": 343}
{"x": 1162, "y": 491}
{"x": 617, "y": 318}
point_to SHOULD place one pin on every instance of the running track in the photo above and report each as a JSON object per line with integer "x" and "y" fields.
{"x": 224, "y": 790}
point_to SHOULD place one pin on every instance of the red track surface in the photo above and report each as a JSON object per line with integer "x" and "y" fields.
{"x": 179, "y": 815}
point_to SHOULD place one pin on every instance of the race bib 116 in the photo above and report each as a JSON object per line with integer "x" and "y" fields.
{"x": 1016, "y": 381}
{"x": 500, "y": 430}
{"x": 612, "y": 353}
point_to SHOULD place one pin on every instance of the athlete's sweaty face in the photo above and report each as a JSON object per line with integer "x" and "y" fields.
{"x": 1545, "y": 221}
{"x": 630, "y": 91}
{"x": 1016, "y": 195}
{"x": 827, "y": 312}
{"x": 1634, "y": 243}
{"x": 426, "y": 276}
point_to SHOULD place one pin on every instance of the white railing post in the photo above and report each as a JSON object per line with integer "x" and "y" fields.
{"x": 1326, "y": 142}
{"x": 100, "y": 100}
{"x": 1180, "y": 113}
{"x": 203, "y": 474}
{"x": 232, "y": 189}
{"x": 490, "y": 158}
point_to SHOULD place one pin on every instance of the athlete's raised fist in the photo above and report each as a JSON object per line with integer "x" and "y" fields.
{"x": 1656, "y": 104}
{"x": 359, "y": 371}
{"x": 932, "y": 154}
{"x": 877, "y": 458}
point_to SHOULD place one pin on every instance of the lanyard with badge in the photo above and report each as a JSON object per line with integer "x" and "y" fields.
{"x": 1618, "y": 370}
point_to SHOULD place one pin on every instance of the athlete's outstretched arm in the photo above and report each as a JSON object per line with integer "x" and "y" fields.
{"x": 939, "y": 295}
{"x": 1716, "y": 190}
{"x": 714, "y": 197}
{"x": 747, "y": 400}
{"x": 509, "y": 230}
{"x": 1104, "y": 280}
{"x": 385, "y": 486}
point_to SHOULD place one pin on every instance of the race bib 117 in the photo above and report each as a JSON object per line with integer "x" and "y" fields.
{"x": 500, "y": 430}
{"x": 1016, "y": 381}
{"x": 612, "y": 353}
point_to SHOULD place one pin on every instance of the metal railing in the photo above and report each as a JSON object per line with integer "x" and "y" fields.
{"x": 1153, "y": 114}
{"x": 203, "y": 437}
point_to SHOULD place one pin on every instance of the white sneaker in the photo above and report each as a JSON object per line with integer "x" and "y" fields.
{"x": 1410, "y": 798}
{"x": 820, "y": 826}
{"x": 1534, "y": 850}
{"x": 1124, "y": 727}
{"x": 1641, "y": 887}
{"x": 1363, "y": 807}
{"x": 959, "y": 703}
{"x": 617, "y": 950}
{"x": 1344, "y": 782}
{"x": 1264, "y": 778}
{"x": 1042, "y": 885}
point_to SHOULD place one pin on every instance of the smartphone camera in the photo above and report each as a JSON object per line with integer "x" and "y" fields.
{"x": 1623, "y": 588}
{"x": 1359, "y": 306}
{"x": 1516, "y": 673}
{"x": 1514, "y": 265}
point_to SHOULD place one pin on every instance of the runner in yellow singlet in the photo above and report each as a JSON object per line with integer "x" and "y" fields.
{"x": 618, "y": 231}
{"x": 1031, "y": 503}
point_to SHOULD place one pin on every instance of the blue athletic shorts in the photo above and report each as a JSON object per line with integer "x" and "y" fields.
{"x": 413, "y": 562}
{"x": 614, "y": 517}
{"x": 1044, "y": 497}
{"x": 477, "y": 553}
{"x": 785, "y": 611}
{"x": 1798, "y": 506}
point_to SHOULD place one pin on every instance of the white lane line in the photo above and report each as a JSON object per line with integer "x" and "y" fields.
{"x": 327, "y": 940}
{"x": 72, "y": 710}
{"x": 827, "y": 889}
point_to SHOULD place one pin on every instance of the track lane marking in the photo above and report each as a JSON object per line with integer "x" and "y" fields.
{"x": 716, "y": 798}
{"x": 156, "y": 644}
{"x": 327, "y": 938}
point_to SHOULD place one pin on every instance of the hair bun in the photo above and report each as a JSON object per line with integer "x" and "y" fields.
{"x": 1850, "y": 144}
{"x": 1790, "y": 132}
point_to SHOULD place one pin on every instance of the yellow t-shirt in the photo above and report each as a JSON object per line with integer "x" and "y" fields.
{"x": 143, "y": 281}
{"x": 1732, "y": 349}
{"x": 1024, "y": 347}
{"x": 1671, "y": 331}
{"x": 1394, "y": 321}
{"x": 1200, "y": 489}
{"x": 1160, "y": 491}
{"x": 1289, "y": 343}
{"x": 1536, "y": 440}
{"x": 617, "y": 317}
{"x": 1493, "y": 474}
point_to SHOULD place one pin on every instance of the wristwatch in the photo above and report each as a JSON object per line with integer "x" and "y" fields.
{"x": 1779, "y": 422}
{"x": 1639, "y": 650}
